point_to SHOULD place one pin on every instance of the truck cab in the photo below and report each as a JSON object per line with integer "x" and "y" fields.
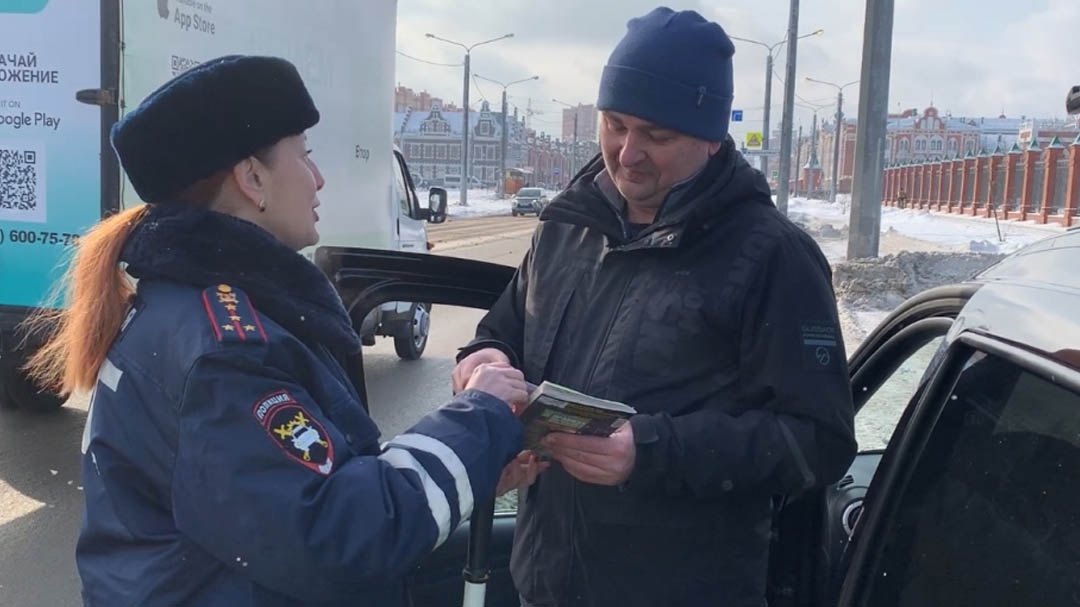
{"x": 407, "y": 323}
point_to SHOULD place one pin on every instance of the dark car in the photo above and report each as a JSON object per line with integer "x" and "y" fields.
{"x": 528, "y": 201}
{"x": 965, "y": 489}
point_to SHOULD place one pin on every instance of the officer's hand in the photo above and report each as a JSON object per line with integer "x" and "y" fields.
{"x": 501, "y": 381}
{"x": 595, "y": 459}
{"x": 521, "y": 472}
{"x": 464, "y": 369}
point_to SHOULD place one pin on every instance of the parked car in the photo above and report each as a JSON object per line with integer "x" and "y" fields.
{"x": 528, "y": 201}
{"x": 454, "y": 182}
{"x": 968, "y": 495}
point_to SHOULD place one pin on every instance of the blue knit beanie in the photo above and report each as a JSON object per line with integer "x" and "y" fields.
{"x": 674, "y": 70}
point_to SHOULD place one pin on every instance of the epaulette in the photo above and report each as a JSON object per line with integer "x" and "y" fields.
{"x": 232, "y": 316}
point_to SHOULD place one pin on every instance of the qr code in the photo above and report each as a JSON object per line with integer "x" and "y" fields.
{"x": 22, "y": 180}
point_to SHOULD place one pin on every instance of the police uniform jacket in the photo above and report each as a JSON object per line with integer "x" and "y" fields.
{"x": 227, "y": 457}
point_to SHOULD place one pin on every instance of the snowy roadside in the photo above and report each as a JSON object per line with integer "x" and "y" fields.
{"x": 481, "y": 203}
{"x": 918, "y": 250}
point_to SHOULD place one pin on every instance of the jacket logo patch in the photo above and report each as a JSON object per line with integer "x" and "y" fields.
{"x": 295, "y": 431}
{"x": 820, "y": 341}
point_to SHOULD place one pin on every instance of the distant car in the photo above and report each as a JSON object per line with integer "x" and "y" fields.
{"x": 453, "y": 182}
{"x": 528, "y": 201}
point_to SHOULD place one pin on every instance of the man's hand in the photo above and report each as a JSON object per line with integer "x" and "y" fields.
{"x": 594, "y": 459}
{"x": 501, "y": 381}
{"x": 464, "y": 369}
{"x": 521, "y": 472}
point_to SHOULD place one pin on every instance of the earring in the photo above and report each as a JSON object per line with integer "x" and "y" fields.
{"x": 262, "y": 206}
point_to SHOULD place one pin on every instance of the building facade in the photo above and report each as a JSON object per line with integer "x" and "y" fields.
{"x": 588, "y": 123}
{"x": 826, "y": 151}
{"x": 405, "y": 97}
{"x": 1044, "y": 131}
{"x": 431, "y": 142}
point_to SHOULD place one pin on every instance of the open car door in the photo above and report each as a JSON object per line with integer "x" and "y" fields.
{"x": 368, "y": 278}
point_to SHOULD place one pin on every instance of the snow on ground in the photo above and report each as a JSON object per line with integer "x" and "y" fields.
{"x": 482, "y": 203}
{"x": 918, "y": 250}
{"x": 952, "y": 232}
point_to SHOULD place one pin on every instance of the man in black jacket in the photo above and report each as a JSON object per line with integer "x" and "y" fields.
{"x": 664, "y": 277}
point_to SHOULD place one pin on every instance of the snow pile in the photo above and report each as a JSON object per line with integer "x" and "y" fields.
{"x": 886, "y": 282}
{"x": 818, "y": 228}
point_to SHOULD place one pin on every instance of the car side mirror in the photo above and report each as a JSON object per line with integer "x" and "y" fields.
{"x": 1072, "y": 101}
{"x": 436, "y": 205}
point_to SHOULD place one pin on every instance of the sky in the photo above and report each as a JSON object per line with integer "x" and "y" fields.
{"x": 969, "y": 57}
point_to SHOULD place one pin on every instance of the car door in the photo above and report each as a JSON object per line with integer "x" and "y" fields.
{"x": 367, "y": 278}
{"x": 888, "y": 371}
{"x": 977, "y": 501}
{"x": 410, "y": 230}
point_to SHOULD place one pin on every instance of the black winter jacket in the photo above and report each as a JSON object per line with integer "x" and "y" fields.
{"x": 718, "y": 323}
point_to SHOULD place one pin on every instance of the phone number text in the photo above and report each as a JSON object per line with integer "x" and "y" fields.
{"x": 42, "y": 238}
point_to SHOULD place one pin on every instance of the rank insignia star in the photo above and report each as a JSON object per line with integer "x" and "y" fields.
{"x": 232, "y": 317}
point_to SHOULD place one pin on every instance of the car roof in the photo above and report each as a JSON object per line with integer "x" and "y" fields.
{"x": 1032, "y": 299}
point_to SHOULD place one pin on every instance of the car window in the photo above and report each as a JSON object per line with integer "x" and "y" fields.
{"x": 991, "y": 515}
{"x": 876, "y": 420}
{"x": 529, "y": 192}
{"x": 401, "y": 190}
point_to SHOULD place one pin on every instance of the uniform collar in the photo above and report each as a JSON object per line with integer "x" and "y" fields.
{"x": 204, "y": 248}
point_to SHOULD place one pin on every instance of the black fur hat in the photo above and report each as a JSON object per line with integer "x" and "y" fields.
{"x": 208, "y": 119}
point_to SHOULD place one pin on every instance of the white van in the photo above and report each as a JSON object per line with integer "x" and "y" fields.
{"x": 72, "y": 68}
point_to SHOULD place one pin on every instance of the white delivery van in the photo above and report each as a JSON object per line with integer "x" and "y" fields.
{"x": 69, "y": 69}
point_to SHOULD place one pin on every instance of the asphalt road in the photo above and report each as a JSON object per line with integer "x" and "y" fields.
{"x": 40, "y": 491}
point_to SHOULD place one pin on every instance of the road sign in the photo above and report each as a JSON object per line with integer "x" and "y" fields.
{"x": 555, "y": 171}
{"x": 769, "y": 153}
{"x": 736, "y": 115}
{"x": 753, "y": 141}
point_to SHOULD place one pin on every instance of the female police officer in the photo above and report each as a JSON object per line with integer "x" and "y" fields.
{"x": 228, "y": 460}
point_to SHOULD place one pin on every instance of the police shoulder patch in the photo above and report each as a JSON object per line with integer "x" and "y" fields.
{"x": 232, "y": 316}
{"x": 295, "y": 431}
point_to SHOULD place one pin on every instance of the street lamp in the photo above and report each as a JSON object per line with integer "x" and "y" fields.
{"x": 839, "y": 129}
{"x": 465, "y": 121}
{"x": 768, "y": 85}
{"x": 574, "y": 154}
{"x": 505, "y": 135}
{"x": 813, "y": 163}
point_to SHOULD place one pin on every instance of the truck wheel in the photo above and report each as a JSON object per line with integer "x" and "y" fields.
{"x": 412, "y": 337}
{"x": 19, "y": 391}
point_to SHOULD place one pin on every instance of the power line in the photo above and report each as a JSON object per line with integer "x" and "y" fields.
{"x": 478, "y": 89}
{"x": 430, "y": 62}
{"x": 797, "y": 96}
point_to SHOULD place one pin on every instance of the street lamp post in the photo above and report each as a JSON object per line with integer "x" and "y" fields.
{"x": 574, "y": 152}
{"x": 465, "y": 121}
{"x": 812, "y": 162}
{"x": 768, "y": 86}
{"x": 505, "y": 131}
{"x": 838, "y": 131}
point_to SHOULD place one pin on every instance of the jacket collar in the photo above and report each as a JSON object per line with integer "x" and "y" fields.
{"x": 203, "y": 248}
{"x": 726, "y": 179}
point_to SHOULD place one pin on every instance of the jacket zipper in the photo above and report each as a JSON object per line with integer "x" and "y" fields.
{"x": 607, "y": 331}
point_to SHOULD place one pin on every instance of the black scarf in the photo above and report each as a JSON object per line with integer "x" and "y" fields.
{"x": 205, "y": 248}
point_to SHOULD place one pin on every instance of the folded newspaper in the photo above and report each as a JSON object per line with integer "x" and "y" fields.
{"x": 555, "y": 408}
